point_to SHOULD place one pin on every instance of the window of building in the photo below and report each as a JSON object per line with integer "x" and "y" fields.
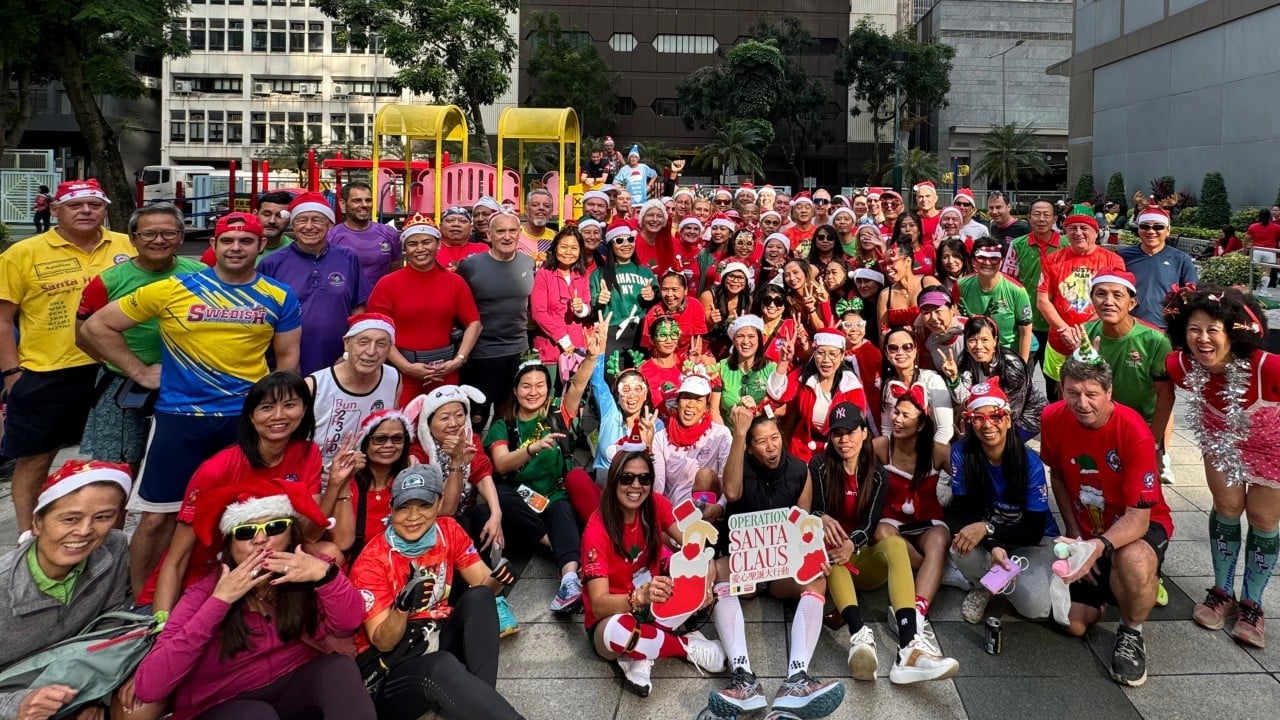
{"x": 257, "y": 126}
{"x": 315, "y": 128}
{"x": 623, "y": 42}
{"x": 335, "y": 43}
{"x": 338, "y": 128}
{"x": 625, "y": 106}
{"x": 297, "y": 37}
{"x": 215, "y": 85}
{"x": 365, "y": 87}
{"x": 315, "y": 37}
{"x": 685, "y": 44}
{"x": 276, "y": 127}
{"x": 217, "y": 34}
{"x": 217, "y": 127}
{"x": 235, "y": 35}
{"x": 196, "y": 33}
{"x": 665, "y": 107}
{"x": 279, "y": 39}
{"x": 259, "y": 35}
{"x": 147, "y": 65}
{"x": 235, "y": 127}
{"x": 577, "y": 38}
{"x": 195, "y": 126}
{"x": 824, "y": 46}
{"x": 178, "y": 125}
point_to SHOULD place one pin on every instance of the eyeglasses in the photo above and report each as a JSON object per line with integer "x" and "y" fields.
{"x": 773, "y": 300}
{"x": 633, "y": 389}
{"x": 1149, "y": 226}
{"x": 625, "y": 239}
{"x": 904, "y": 347}
{"x": 271, "y": 528}
{"x": 151, "y": 235}
{"x": 891, "y": 203}
{"x": 387, "y": 439}
{"x": 981, "y": 419}
{"x": 853, "y": 324}
{"x": 626, "y": 479}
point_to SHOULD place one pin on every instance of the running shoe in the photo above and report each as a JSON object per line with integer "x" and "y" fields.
{"x": 635, "y": 675}
{"x": 743, "y": 695}
{"x": 507, "y": 624}
{"x": 924, "y": 630}
{"x": 975, "y": 604}
{"x": 704, "y": 654}
{"x": 1129, "y": 658}
{"x": 1250, "y": 628}
{"x": 917, "y": 662}
{"x": 862, "y": 654}
{"x": 1166, "y": 469}
{"x": 1214, "y": 611}
{"x": 569, "y": 597}
{"x": 1162, "y": 595}
{"x": 808, "y": 697}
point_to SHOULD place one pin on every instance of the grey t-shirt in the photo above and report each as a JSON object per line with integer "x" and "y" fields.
{"x": 502, "y": 292}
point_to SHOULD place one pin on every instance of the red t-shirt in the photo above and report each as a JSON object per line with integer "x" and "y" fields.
{"x": 301, "y": 463}
{"x": 663, "y": 384}
{"x": 1105, "y": 471}
{"x": 1066, "y": 276}
{"x": 601, "y": 560}
{"x": 928, "y": 227}
{"x": 448, "y": 256}
{"x": 658, "y": 256}
{"x": 797, "y": 236}
{"x": 1265, "y": 236}
{"x": 481, "y": 467}
{"x": 425, "y": 307}
{"x": 380, "y": 572}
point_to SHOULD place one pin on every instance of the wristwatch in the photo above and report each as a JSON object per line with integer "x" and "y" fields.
{"x": 462, "y": 357}
{"x": 991, "y": 530}
{"x": 1107, "y": 547}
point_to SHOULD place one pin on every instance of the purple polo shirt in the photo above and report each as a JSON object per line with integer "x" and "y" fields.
{"x": 376, "y": 247}
{"x": 329, "y": 286}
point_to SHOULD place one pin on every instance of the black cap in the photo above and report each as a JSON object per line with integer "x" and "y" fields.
{"x": 846, "y": 416}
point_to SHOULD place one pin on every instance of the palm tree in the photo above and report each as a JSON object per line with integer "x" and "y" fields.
{"x": 736, "y": 147}
{"x": 920, "y": 165}
{"x": 1007, "y": 151}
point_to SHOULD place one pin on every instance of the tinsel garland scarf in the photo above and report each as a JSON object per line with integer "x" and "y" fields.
{"x": 1221, "y": 446}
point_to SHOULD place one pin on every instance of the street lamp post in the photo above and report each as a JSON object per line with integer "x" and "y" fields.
{"x": 899, "y": 59}
{"x": 1003, "y": 94}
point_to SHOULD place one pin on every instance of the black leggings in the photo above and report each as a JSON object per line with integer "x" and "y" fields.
{"x": 520, "y": 521}
{"x": 459, "y": 680}
{"x": 1050, "y": 385}
{"x": 327, "y": 687}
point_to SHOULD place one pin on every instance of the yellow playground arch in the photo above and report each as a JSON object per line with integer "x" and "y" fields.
{"x": 544, "y": 125}
{"x": 441, "y": 123}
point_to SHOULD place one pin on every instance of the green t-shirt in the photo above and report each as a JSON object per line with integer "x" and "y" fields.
{"x": 737, "y": 383}
{"x": 1137, "y": 363}
{"x": 544, "y": 473}
{"x": 285, "y": 241}
{"x": 624, "y": 302}
{"x": 118, "y": 281}
{"x": 1030, "y": 257}
{"x": 1007, "y": 304}
{"x": 59, "y": 590}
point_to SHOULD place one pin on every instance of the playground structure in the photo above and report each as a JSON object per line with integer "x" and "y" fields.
{"x": 408, "y": 186}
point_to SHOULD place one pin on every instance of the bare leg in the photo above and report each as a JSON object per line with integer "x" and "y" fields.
{"x": 29, "y": 474}
{"x": 934, "y": 545}
{"x": 150, "y": 540}
{"x": 1133, "y": 582}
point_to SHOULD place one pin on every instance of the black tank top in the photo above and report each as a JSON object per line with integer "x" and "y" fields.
{"x": 769, "y": 488}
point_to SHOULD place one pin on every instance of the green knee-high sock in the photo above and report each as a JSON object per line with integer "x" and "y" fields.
{"x": 1224, "y": 541}
{"x": 1259, "y": 558}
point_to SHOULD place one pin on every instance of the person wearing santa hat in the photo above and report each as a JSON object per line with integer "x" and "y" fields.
{"x": 967, "y": 206}
{"x": 249, "y": 633}
{"x": 720, "y": 231}
{"x": 949, "y": 221}
{"x": 744, "y": 373}
{"x": 926, "y": 194}
{"x": 1155, "y": 265}
{"x": 217, "y": 326}
{"x": 685, "y": 249}
{"x": 810, "y": 391}
{"x": 653, "y": 241}
{"x": 845, "y": 221}
{"x": 801, "y": 232}
{"x": 621, "y": 589}
{"x": 360, "y": 383}
{"x": 724, "y": 302}
{"x": 327, "y": 280}
{"x": 484, "y": 209}
{"x": 376, "y": 245}
{"x": 976, "y": 356}
{"x": 690, "y": 451}
{"x": 681, "y": 205}
{"x": 425, "y": 302}
{"x": 623, "y": 290}
{"x": 776, "y": 250}
{"x": 1063, "y": 292}
{"x": 384, "y": 438}
{"x": 596, "y": 205}
{"x": 49, "y": 380}
{"x": 635, "y": 177}
{"x": 73, "y": 570}
{"x": 1001, "y": 498}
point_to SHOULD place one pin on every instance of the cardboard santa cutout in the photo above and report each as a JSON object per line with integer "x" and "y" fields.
{"x": 691, "y": 566}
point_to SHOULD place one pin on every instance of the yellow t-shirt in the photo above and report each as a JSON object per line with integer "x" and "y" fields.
{"x": 44, "y": 276}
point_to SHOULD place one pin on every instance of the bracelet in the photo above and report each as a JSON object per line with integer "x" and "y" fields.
{"x": 329, "y": 575}
{"x": 161, "y": 616}
{"x": 10, "y": 371}
{"x": 344, "y": 498}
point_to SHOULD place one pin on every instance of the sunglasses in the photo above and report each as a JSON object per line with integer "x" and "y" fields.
{"x": 904, "y": 347}
{"x": 824, "y": 237}
{"x": 271, "y": 528}
{"x": 963, "y": 204}
{"x": 773, "y": 300}
{"x": 625, "y": 239}
{"x": 981, "y": 419}
{"x": 627, "y": 479}
{"x": 821, "y": 201}
{"x": 722, "y": 202}
{"x": 387, "y": 439}
{"x": 1149, "y": 226}
{"x": 891, "y": 203}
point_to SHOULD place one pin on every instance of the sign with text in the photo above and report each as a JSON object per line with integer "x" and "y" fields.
{"x": 774, "y": 544}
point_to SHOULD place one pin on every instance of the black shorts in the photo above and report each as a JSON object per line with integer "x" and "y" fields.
{"x": 47, "y": 410}
{"x": 495, "y": 377}
{"x": 1098, "y": 595}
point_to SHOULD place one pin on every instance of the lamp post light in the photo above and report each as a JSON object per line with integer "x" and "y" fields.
{"x": 899, "y": 60}
{"x": 1003, "y": 94}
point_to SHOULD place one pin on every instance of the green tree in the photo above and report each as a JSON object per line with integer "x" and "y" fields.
{"x": 867, "y": 65}
{"x": 293, "y": 154}
{"x": 1084, "y": 191}
{"x": 736, "y": 148}
{"x": 799, "y": 122}
{"x": 568, "y": 72}
{"x": 1215, "y": 208}
{"x": 459, "y": 51}
{"x": 1008, "y": 151}
{"x": 1115, "y": 189}
{"x": 920, "y": 165}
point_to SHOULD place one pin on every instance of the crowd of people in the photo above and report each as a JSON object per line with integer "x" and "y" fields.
{"x": 336, "y": 431}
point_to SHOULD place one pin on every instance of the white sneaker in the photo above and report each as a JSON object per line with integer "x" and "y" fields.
{"x": 704, "y": 654}
{"x": 1166, "y": 469}
{"x": 635, "y": 675}
{"x": 952, "y": 577}
{"x": 918, "y": 663}
{"x": 924, "y": 631}
{"x": 862, "y": 654}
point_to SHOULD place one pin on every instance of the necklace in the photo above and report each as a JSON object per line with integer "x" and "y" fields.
{"x": 1221, "y": 448}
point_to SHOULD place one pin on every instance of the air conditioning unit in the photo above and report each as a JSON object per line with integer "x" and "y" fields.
{"x": 341, "y": 92}
{"x": 262, "y": 88}
{"x": 308, "y": 89}
{"x": 149, "y": 82}
{"x": 182, "y": 87}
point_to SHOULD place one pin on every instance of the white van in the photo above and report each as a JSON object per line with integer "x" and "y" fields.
{"x": 160, "y": 182}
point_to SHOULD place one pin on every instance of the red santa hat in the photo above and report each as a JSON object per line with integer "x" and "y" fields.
{"x": 619, "y": 228}
{"x": 77, "y": 474}
{"x": 745, "y": 189}
{"x": 722, "y": 220}
{"x": 654, "y": 204}
{"x": 311, "y": 202}
{"x": 967, "y": 194}
{"x": 987, "y": 394}
{"x": 771, "y": 213}
{"x": 1081, "y": 214}
{"x": 79, "y": 190}
{"x": 633, "y": 442}
{"x": 723, "y": 191}
{"x": 1154, "y": 214}
{"x": 682, "y": 191}
{"x": 951, "y": 210}
{"x": 927, "y": 184}
{"x": 242, "y": 221}
{"x": 597, "y": 195}
{"x": 376, "y": 418}
{"x": 829, "y": 337}
{"x": 1119, "y": 277}
{"x": 223, "y": 507}
{"x": 693, "y": 220}
{"x": 868, "y": 274}
{"x": 845, "y": 211}
{"x": 357, "y": 324}
{"x": 801, "y": 197}
{"x": 874, "y": 193}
